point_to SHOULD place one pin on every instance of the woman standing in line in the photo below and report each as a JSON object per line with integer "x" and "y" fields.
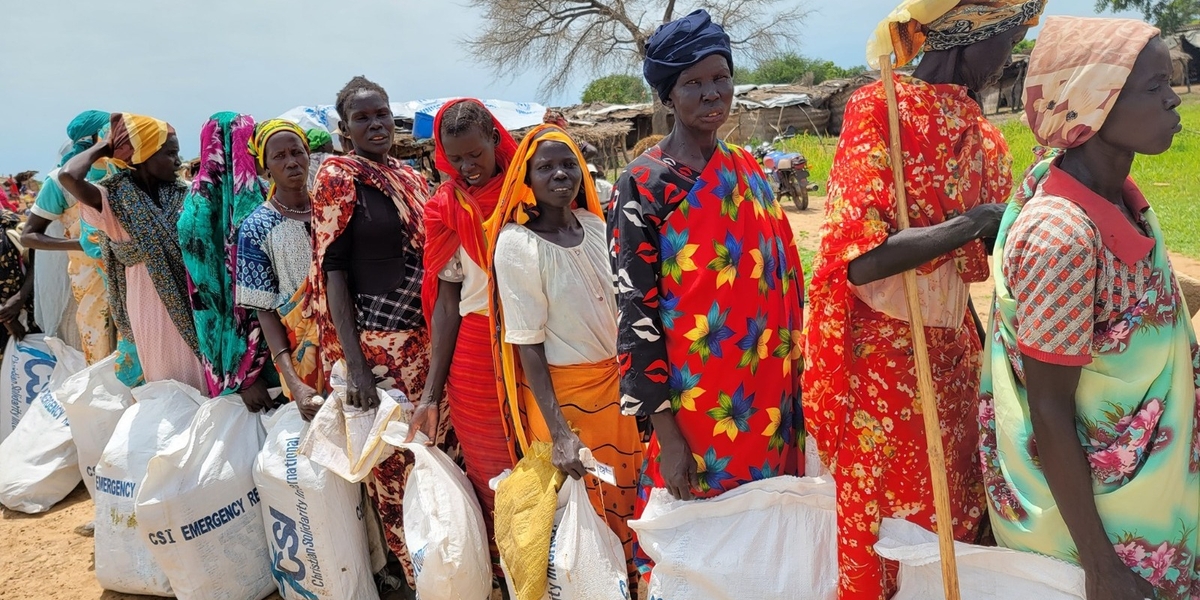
{"x": 552, "y": 303}
{"x": 860, "y": 379}
{"x": 85, "y": 268}
{"x": 138, "y": 208}
{"x": 709, "y": 288}
{"x": 224, "y": 192}
{"x": 1089, "y": 399}
{"x": 273, "y": 261}
{"x": 474, "y": 150}
{"x": 368, "y": 226}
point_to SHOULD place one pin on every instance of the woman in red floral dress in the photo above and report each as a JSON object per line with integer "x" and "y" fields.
{"x": 861, "y": 403}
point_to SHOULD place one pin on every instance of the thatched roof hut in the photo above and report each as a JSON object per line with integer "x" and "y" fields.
{"x": 638, "y": 118}
{"x": 609, "y": 137}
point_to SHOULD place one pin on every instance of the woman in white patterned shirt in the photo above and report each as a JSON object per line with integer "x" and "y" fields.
{"x": 273, "y": 259}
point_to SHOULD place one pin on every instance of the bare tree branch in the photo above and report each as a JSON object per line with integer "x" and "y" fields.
{"x": 564, "y": 38}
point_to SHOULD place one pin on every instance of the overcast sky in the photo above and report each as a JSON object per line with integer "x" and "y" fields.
{"x": 184, "y": 60}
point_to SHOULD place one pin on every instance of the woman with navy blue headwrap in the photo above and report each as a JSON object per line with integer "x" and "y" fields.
{"x": 709, "y": 287}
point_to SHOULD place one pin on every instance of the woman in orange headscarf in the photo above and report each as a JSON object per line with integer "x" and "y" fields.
{"x": 474, "y": 150}
{"x": 860, "y": 378}
{"x": 552, "y": 303}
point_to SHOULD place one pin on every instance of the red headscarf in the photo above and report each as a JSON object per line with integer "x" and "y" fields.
{"x": 456, "y": 213}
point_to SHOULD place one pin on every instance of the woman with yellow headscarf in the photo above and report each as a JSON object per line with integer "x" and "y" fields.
{"x": 553, "y": 305}
{"x": 274, "y": 256}
{"x": 860, "y": 374}
{"x": 138, "y": 210}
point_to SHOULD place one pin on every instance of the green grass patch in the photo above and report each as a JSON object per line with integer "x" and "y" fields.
{"x": 1170, "y": 181}
{"x": 806, "y": 256}
{"x": 806, "y": 259}
{"x": 819, "y": 152}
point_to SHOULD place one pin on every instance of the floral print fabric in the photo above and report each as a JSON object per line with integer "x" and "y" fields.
{"x": 226, "y": 191}
{"x": 710, "y": 293}
{"x": 1136, "y": 414}
{"x": 860, "y": 398}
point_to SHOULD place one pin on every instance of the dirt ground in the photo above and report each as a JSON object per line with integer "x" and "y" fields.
{"x": 45, "y": 557}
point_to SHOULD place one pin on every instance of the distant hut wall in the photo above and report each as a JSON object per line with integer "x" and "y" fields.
{"x": 837, "y": 109}
{"x": 1006, "y": 95}
{"x": 838, "y": 100}
{"x": 766, "y": 123}
{"x": 613, "y": 153}
{"x": 641, "y": 126}
{"x": 1179, "y": 69}
{"x": 1190, "y": 45}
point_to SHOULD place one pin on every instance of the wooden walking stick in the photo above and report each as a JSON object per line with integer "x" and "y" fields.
{"x": 933, "y": 427}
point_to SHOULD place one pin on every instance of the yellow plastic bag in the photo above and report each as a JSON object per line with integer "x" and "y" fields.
{"x": 525, "y": 504}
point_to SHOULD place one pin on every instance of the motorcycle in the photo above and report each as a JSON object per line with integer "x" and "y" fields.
{"x": 787, "y": 172}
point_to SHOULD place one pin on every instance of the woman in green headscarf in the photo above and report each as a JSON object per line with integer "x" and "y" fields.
{"x": 84, "y": 264}
{"x": 225, "y": 191}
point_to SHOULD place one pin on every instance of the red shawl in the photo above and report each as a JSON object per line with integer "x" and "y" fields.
{"x": 456, "y": 213}
{"x": 333, "y": 203}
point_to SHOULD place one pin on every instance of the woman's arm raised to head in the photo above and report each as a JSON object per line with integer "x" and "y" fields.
{"x": 73, "y": 176}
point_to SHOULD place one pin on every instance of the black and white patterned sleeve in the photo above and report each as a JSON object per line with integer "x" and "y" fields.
{"x": 633, "y": 231}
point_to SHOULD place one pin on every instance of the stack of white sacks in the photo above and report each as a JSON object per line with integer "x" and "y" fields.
{"x": 198, "y": 498}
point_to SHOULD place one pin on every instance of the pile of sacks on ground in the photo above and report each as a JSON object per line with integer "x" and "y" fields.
{"x": 199, "y": 498}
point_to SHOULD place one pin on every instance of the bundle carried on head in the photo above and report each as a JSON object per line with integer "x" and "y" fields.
{"x": 928, "y": 25}
{"x": 83, "y": 130}
{"x": 317, "y": 138}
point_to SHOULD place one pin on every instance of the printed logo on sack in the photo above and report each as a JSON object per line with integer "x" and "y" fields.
{"x": 36, "y": 368}
{"x": 286, "y": 566}
{"x": 52, "y": 407}
{"x": 418, "y": 560}
{"x": 553, "y": 589}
